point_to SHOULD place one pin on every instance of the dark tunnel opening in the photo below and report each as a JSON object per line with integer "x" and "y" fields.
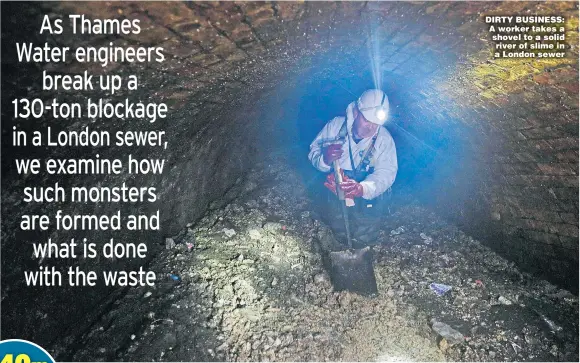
{"x": 476, "y": 258}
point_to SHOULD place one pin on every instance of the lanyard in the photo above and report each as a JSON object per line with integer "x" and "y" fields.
{"x": 364, "y": 160}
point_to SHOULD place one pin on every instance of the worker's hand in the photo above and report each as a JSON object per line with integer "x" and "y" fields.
{"x": 330, "y": 182}
{"x": 331, "y": 153}
{"x": 351, "y": 188}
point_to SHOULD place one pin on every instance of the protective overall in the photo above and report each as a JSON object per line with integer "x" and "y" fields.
{"x": 372, "y": 162}
{"x": 383, "y": 160}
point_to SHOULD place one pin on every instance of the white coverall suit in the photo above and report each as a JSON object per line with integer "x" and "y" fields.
{"x": 383, "y": 159}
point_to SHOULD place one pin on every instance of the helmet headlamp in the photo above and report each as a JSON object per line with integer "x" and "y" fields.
{"x": 381, "y": 113}
{"x": 380, "y": 110}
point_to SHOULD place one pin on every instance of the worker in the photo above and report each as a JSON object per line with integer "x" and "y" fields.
{"x": 366, "y": 155}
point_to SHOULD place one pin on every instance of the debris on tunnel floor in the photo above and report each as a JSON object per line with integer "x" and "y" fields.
{"x": 254, "y": 287}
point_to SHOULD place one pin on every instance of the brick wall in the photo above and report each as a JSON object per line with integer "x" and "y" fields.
{"x": 525, "y": 140}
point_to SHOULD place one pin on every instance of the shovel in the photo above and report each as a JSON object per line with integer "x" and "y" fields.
{"x": 351, "y": 270}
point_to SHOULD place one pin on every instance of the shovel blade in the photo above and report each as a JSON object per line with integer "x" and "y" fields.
{"x": 352, "y": 270}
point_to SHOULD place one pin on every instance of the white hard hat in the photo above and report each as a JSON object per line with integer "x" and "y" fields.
{"x": 374, "y": 105}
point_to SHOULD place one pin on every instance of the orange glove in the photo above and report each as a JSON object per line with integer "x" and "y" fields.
{"x": 352, "y": 189}
{"x": 331, "y": 153}
{"x": 330, "y": 182}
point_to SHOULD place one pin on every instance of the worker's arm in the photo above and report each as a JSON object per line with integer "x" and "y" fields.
{"x": 385, "y": 171}
{"x": 328, "y": 132}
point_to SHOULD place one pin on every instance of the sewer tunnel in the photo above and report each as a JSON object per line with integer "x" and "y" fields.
{"x": 485, "y": 201}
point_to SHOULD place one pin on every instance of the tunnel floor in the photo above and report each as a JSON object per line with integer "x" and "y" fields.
{"x": 247, "y": 283}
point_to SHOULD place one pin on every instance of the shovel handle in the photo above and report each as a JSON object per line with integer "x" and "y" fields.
{"x": 338, "y": 180}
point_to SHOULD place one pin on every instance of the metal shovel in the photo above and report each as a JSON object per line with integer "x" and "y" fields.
{"x": 351, "y": 269}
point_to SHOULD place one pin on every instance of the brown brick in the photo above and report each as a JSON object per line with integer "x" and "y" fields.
{"x": 543, "y": 133}
{"x": 568, "y": 206}
{"x": 543, "y": 237}
{"x": 565, "y": 193}
{"x": 556, "y": 168}
{"x": 543, "y": 78}
{"x": 564, "y": 229}
{"x": 180, "y": 49}
{"x": 255, "y": 8}
{"x": 541, "y": 145}
{"x": 99, "y": 11}
{"x": 228, "y": 51}
{"x": 516, "y": 135}
{"x": 150, "y": 33}
{"x": 522, "y": 123}
{"x": 564, "y": 143}
{"x": 570, "y": 218}
{"x": 510, "y": 230}
{"x": 559, "y": 119}
{"x": 168, "y": 13}
{"x": 242, "y": 34}
{"x": 526, "y": 157}
{"x": 518, "y": 179}
{"x": 530, "y": 224}
{"x": 205, "y": 60}
{"x": 227, "y": 23}
{"x": 570, "y": 87}
{"x": 545, "y": 194}
{"x": 540, "y": 214}
{"x": 524, "y": 168}
{"x": 569, "y": 156}
{"x": 288, "y": 9}
{"x": 505, "y": 169}
{"x": 570, "y": 243}
{"x": 512, "y": 191}
{"x": 557, "y": 181}
{"x": 532, "y": 200}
